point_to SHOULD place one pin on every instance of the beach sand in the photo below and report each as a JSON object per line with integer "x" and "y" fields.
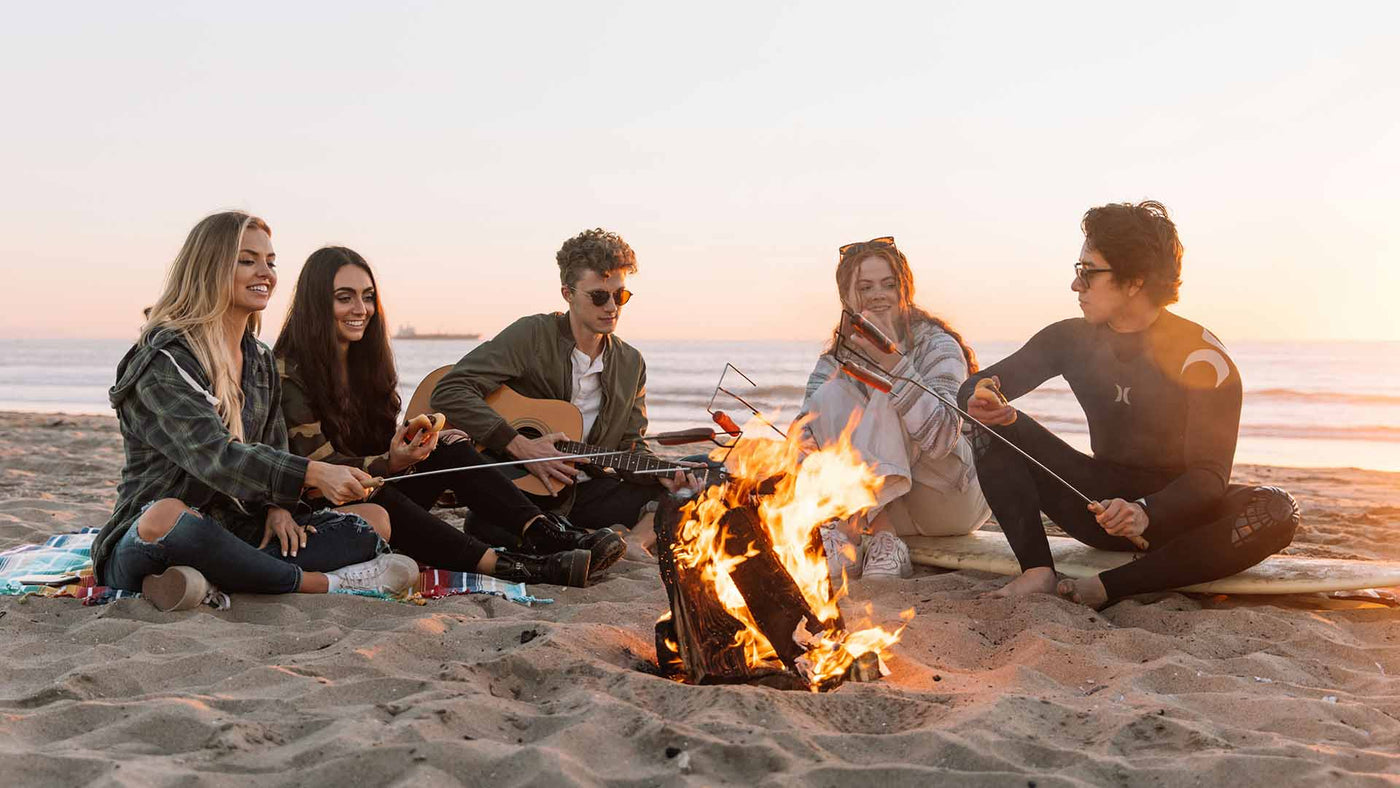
{"x": 1168, "y": 690}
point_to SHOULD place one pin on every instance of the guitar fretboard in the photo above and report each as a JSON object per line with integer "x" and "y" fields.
{"x": 629, "y": 460}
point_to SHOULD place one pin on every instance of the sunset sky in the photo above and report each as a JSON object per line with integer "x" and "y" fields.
{"x": 734, "y": 146}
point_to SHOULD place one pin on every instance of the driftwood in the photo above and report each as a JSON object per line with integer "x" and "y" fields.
{"x": 703, "y": 632}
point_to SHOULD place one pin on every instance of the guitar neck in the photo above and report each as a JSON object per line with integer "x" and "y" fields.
{"x": 633, "y": 461}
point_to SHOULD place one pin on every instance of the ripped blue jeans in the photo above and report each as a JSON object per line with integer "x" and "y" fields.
{"x": 234, "y": 565}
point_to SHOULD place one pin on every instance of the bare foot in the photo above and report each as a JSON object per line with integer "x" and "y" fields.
{"x": 1089, "y": 591}
{"x": 1040, "y": 580}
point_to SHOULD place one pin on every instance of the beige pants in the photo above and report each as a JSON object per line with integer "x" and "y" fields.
{"x": 917, "y": 496}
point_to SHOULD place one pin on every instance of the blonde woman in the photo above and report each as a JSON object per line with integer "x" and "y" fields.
{"x": 914, "y": 441}
{"x": 208, "y": 486}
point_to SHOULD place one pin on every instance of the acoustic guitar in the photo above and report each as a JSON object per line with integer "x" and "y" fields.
{"x": 534, "y": 418}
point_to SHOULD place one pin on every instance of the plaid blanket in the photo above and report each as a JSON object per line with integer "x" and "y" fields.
{"x": 62, "y": 567}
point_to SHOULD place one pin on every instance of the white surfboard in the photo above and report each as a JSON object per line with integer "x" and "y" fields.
{"x": 988, "y": 551}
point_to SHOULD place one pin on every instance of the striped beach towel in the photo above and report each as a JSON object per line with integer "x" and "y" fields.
{"x": 62, "y": 567}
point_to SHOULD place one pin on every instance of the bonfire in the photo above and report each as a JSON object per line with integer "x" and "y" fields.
{"x": 751, "y": 597}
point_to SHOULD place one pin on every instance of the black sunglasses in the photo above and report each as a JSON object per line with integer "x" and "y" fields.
{"x": 1082, "y": 273}
{"x": 884, "y": 240}
{"x": 599, "y": 297}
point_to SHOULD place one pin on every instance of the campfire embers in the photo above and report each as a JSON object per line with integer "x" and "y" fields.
{"x": 747, "y": 579}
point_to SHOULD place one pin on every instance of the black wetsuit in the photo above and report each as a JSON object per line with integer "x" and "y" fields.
{"x": 1163, "y": 407}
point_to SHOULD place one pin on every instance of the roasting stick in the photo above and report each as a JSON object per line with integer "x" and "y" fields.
{"x": 380, "y": 480}
{"x": 882, "y": 381}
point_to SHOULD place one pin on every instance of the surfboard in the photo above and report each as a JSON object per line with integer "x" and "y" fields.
{"x": 988, "y": 551}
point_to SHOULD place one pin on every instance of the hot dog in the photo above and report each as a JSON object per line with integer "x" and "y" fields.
{"x": 432, "y": 422}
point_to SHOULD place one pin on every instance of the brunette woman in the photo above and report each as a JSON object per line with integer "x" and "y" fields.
{"x": 913, "y": 440}
{"x": 208, "y": 485}
{"x": 341, "y": 404}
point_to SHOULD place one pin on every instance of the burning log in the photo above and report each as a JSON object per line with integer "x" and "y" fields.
{"x": 746, "y": 576}
{"x": 700, "y": 641}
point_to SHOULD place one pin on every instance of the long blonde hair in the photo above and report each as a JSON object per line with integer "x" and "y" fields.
{"x": 198, "y": 293}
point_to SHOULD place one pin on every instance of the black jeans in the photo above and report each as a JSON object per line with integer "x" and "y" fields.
{"x": 236, "y": 566}
{"x": 1246, "y": 526}
{"x": 497, "y": 507}
{"x": 605, "y": 501}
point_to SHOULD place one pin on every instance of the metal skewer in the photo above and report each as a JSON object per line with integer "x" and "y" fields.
{"x": 883, "y": 381}
{"x": 378, "y": 480}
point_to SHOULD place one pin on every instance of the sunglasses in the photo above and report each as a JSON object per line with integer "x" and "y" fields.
{"x": 1082, "y": 273}
{"x": 599, "y": 297}
{"x": 885, "y": 241}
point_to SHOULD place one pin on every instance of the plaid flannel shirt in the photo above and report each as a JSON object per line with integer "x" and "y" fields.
{"x": 177, "y": 446}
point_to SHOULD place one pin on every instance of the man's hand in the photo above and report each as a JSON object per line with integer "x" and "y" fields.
{"x": 987, "y": 404}
{"x": 337, "y": 483}
{"x": 551, "y": 473}
{"x": 1120, "y": 517}
{"x": 449, "y": 437}
{"x": 404, "y": 454}
{"x": 290, "y": 536}
{"x": 681, "y": 481}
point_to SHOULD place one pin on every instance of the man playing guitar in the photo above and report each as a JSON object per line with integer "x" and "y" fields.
{"x": 572, "y": 356}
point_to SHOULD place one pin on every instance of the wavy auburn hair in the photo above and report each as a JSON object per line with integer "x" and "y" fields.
{"x": 198, "y": 292}
{"x": 358, "y": 415}
{"x": 909, "y": 312}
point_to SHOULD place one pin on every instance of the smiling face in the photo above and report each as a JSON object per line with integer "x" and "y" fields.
{"x": 595, "y": 319}
{"x": 255, "y": 273}
{"x": 353, "y": 303}
{"x": 877, "y": 289}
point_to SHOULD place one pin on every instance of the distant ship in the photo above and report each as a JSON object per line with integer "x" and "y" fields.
{"x": 407, "y": 332}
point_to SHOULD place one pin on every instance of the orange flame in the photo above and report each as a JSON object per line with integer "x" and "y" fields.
{"x": 814, "y": 486}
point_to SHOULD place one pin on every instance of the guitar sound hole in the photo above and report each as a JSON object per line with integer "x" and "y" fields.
{"x": 529, "y": 432}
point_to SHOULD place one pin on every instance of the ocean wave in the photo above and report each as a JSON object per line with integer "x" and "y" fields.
{"x": 1333, "y": 397}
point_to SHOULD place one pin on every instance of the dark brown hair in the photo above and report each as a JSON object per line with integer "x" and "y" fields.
{"x": 1140, "y": 242}
{"x": 594, "y": 250}
{"x": 909, "y": 312}
{"x": 358, "y": 415}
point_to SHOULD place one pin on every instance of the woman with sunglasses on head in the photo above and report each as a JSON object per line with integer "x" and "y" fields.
{"x": 914, "y": 441}
{"x": 341, "y": 405}
{"x": 208, "y": 485}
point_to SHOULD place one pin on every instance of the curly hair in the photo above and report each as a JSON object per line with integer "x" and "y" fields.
{"x": 1140, "y": 242}
{"x": 594, "y": 250}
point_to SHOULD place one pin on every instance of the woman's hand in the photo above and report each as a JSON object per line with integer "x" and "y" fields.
{"x": 886, "y": 361}
{"x": 289, "y": 534}
{"x": 337, "y": 483}
{"x": 404, "y": 453}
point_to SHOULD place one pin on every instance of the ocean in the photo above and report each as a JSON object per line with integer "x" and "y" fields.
{"x": 1323, "y": 404}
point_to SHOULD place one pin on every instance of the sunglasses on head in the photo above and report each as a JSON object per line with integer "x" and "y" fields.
{"x": 886, "y": 241}
{"x": 599, "y": 297}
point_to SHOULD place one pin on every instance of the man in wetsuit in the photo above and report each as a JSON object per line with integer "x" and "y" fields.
{"x": 1162, "y": 398}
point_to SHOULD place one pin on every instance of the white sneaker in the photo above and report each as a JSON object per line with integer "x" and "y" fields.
{"x": 388, "y": 574}
{"x": 841, "y": 555}
{"x": 886, "y": 555}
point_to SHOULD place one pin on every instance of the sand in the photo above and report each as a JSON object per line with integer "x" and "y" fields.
{"x": 1168, "y": 689}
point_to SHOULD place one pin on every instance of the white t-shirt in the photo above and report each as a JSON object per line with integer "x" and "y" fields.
{"x": 588, "y": 388}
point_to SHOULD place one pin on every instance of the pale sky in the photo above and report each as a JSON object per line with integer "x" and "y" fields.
{"x": 734, "y": 145}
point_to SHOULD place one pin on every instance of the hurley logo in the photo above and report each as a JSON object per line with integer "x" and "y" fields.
{"x": 1123, "y": 394}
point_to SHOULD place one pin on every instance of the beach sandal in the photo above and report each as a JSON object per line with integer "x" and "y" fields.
{"x": 177, "y": 588}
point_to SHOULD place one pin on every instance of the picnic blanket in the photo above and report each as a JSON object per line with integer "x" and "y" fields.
{"x": 62, "y": 567}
